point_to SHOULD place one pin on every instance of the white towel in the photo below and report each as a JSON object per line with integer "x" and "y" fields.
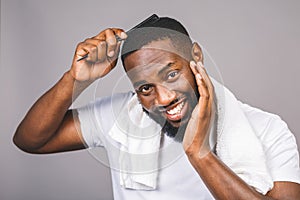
{"x": 237, "y": 144}
{"x": 139, "y": 137}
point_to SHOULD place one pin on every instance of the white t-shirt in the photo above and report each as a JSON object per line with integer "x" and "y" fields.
{"x": 179, "y": 180}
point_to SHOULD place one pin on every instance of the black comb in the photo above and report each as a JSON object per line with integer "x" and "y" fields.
{"x": 152, "y": 19}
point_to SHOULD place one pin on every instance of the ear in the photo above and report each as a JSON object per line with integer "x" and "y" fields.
{"x": 197, "y": 52}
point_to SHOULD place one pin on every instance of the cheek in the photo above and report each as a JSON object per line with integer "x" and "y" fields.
{"x": 187, "y": 83}
{"x": 189, "y": 87}
{"x": 146, "y": 101}
{"x": 190, "y": 79}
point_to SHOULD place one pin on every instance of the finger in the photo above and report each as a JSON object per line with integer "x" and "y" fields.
{"x": 202, "y": 87}
{"x": 91, "y": 51}
{"x": 108, "y": 35}
{"x": 80, "y": 52}
{"x": 115, "y": 56}
{"x": 120, "y": 33}
{"x": 101, "y": 47}
{"x": 96, "y": 42}
{"x": 193, "y": 67}
{"x": 111, "y": 42}
{"x": 203, "y": 71}
{"x": 211, "y": 103}
{"x": 204, "y": 96}
{"x": 206, "y": 78}
{"x": 85, "y": 51}
{"x": 101, "y": 51}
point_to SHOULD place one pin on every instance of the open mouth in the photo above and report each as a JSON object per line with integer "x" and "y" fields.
{"x": 176, "y": 112}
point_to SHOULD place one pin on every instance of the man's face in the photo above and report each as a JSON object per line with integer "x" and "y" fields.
{"x": 164, "y": 82}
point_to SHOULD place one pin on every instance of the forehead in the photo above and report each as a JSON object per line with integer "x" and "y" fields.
{"x": 153, "y": 54}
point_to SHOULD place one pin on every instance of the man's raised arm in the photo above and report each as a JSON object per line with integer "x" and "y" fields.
{"x": 49, "y": 126}
{"x": 222, "y": 182}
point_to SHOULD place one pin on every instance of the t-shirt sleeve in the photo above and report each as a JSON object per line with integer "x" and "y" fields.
{"x": 97, "y": 118}
{"x": 282, "y": 152}
{"x": 90, "y": 128}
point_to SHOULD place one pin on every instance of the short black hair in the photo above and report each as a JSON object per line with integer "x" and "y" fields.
{"x": 153, "y": 30}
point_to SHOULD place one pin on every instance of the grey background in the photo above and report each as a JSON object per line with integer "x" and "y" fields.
{"x": 254, "y": 43}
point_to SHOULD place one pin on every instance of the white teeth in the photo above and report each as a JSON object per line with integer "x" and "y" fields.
{"x": 176, "y": 110}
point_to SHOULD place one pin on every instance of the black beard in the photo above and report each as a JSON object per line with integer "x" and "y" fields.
{"x": 174, "y": 132}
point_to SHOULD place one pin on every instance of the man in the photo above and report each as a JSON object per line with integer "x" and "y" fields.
{"x": 175, "y": 94}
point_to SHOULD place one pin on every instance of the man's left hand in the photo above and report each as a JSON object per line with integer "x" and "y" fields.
{"x": 196, "y": 138}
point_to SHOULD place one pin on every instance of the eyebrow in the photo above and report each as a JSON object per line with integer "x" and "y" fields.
{"x": 142, "y": 82}
{"x": 165, "y": 68}
{"x": 136, "y": 84}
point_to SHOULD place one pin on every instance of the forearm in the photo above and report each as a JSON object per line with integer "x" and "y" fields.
{"x": 45, "y": 116}
{"x": 222, "y": 182}
{"x": 220, "y": 179}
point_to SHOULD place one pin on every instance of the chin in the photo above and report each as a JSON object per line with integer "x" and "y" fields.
{"x": 179, "y": 123}
{"x": 175, "y": 132}
{"x": 172, "y": 129}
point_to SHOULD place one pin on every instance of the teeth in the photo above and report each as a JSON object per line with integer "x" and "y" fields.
{"x": 176, "y": 110}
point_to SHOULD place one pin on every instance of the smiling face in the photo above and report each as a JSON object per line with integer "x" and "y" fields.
{"x": 164, "y": 82}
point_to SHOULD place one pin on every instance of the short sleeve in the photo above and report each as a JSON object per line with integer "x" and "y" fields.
{"x": 278, "y": 142}
{"x": 282, "y": 152}
{"x": 90, "y": 128}
{"x": 97, "y": 118}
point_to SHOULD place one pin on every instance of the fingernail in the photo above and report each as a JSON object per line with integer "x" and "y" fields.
{"x": 192, "y": 63}
{"x": 111, "y": 53}
{"x": 123, "y": 35}
{"x": 198, "y": 76}
{"x": 200, "y": 64}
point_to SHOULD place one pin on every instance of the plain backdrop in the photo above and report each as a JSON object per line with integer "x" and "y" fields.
{"x": 255, "y": 45}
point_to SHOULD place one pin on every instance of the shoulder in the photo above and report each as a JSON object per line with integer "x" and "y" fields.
{"x": 115, "y": 99}
{"x": 270, "y": 129}
{"x": 97, "y": 117}
{"x": 107, "y": 104}
{"x": 263, "y": 122}
{"x": 278, "y": 142}
{"x": 113, "y": 103}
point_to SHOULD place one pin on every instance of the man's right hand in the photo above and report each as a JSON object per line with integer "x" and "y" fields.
{"x": 102, "y": 51}
{"x": 49, "y": 126}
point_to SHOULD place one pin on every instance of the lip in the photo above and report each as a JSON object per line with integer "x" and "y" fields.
{"x": 177, "y": 117}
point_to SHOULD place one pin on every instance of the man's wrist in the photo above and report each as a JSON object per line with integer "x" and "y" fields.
{"x": 70, "y": 86}
{"x": 201, "y": 158}
{"x": 79, "y": 84}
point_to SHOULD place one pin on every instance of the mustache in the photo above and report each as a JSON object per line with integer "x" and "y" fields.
{"x": 165, "y": 107}
{"x": 177, "y": 133}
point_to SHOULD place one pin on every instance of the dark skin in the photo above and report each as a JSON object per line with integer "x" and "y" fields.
{"x": 50, "y": 127}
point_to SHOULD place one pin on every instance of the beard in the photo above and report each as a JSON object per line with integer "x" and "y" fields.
{"x": 177, "y": 133}
{"x": 174, "y": 132}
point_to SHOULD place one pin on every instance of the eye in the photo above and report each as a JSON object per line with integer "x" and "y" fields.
{"x": 145, "y": 89}
{"x": 172, "y": 75}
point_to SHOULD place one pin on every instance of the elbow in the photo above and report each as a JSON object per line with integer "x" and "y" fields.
{"x": 22, "y": 144}
{"x": 17, "y": 141}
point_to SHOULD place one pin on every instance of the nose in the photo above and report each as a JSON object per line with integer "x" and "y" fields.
{"x": 164, "y": 95}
